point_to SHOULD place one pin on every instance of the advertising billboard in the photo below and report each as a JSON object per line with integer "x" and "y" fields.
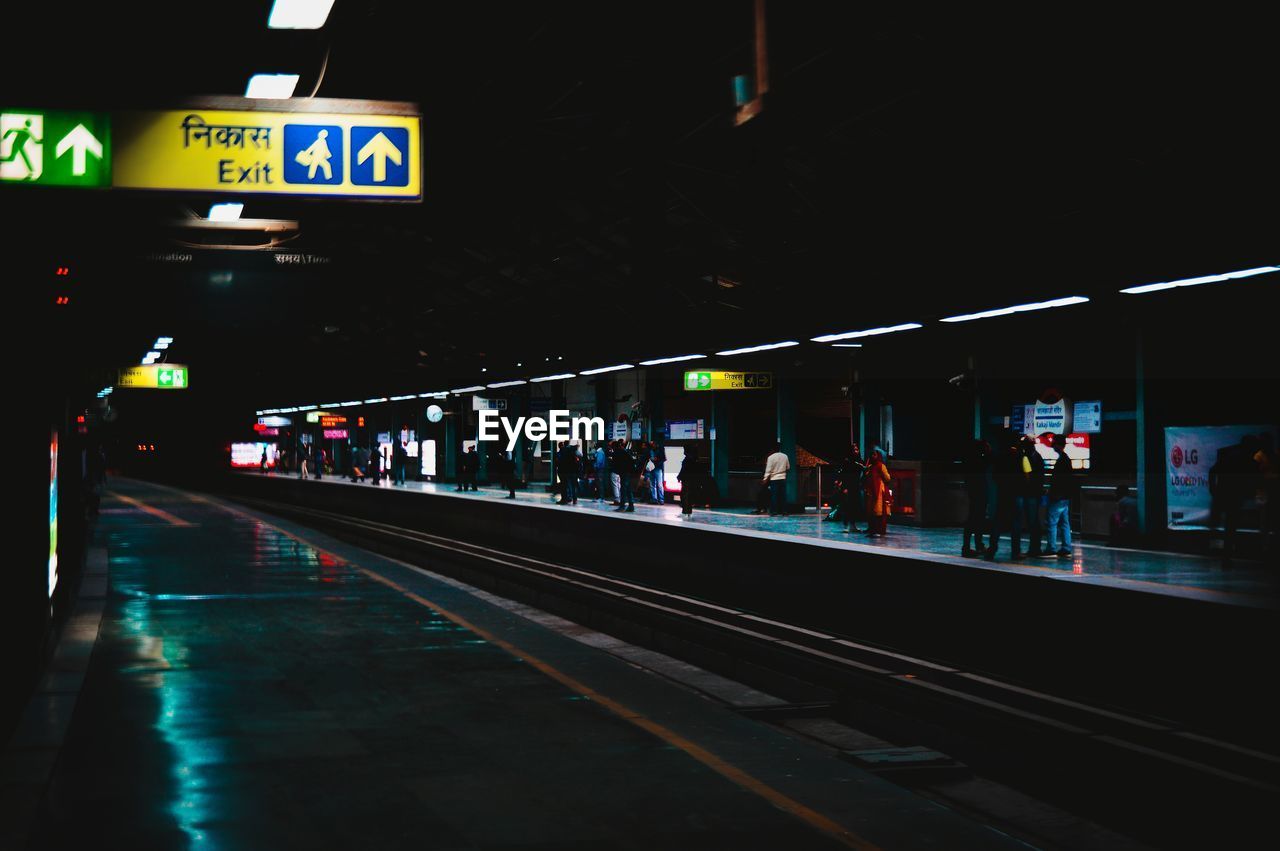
{"x": 53, "y": 512}
{"x": 1190, "y": 453}
{"x": 249, "y": 455}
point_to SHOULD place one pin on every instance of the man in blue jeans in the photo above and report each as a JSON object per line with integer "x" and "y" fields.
{"x": 1062, "y": 485}
{"x": 656, "y": 485}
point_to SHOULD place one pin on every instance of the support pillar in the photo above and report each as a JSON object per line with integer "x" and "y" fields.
{"x": 653, "y": 388}
{"x": 452, "y": 442}
{"x": 786, "y": 411}
{"x": 720, "y": 441}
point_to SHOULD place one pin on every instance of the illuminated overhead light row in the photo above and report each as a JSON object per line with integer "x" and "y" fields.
{"x": 1068, "y": 301}
{"x": 402, "y": 398}
{"x": 105, "y": 392}
{"x": 1207, "y": 279}
{"x": 1018, "y": 308}
{"x": 657, "y": 361}
{"x": 869, "y": 332}
{"x": 766, "y": 347}
{"x": 613, "y": 368}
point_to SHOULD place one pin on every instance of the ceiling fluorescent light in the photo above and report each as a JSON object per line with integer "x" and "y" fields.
{"x": 278, "y": 86}
{"x": 307, "y": 407}
{"x": 870, "y": 332}
{"x": 555, "y": 377}
{"x": 1018, "y": 308}
{"x": 375, "y": 401}
{"x": 601, "y": 369}
{"x": 461, "y": 390}
{"x": 346, "y": 404}
{"x": 846, "y": 345}
{"x": 657, "y": 361}
{"x": 1207, "y": 279}
{"x": 498, "y": 384}
{"x": 299, "y": 14}
{"x": 766, "y": 347}
{"x": 402, "y": 398}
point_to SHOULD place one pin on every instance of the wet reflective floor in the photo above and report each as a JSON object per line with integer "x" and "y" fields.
{"x": 1243, "y": 583}
{"x": 258, "y": 685}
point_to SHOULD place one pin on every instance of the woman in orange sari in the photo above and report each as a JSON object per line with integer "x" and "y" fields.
{"x": 876, "y": 488}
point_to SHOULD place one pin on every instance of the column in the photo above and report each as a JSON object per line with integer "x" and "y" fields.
{"x": 786, "y": 412}
{"x": 720, "y": 441}
{"x": 452, "y": 444}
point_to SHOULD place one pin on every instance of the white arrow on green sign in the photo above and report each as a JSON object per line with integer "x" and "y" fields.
{"x": 55, "y": 147}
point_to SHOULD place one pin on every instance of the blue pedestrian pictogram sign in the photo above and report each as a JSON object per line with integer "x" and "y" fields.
{"x": 380, "y": 156}
{"x": 313, "y": 153}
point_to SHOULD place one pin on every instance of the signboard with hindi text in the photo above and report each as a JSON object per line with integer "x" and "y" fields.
{"x": 255, "y": 151}
{"x": 317, "y": 147}
{"x": 714, "y": 379}
{"x": 158, "y": 376}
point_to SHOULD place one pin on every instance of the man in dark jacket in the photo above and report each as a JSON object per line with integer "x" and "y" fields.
{"x": 1033, "y": 489}
{"x": 567, "y": 467}
{"x": 1062, "y": 488}
{"x": 624, "y": 465}
{"x": 1006, "y": 469}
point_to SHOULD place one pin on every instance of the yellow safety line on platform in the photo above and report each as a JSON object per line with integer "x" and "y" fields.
{"x": 152, "y": 510}
{"x": 730, "y": 772}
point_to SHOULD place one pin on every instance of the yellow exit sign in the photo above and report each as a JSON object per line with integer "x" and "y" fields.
{"x": 715, "y": 379}
{"x": 160, "y": 376}
{"x": 368, "y": 152}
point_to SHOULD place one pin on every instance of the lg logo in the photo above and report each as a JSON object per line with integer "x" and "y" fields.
{"x": 1192, "y": 456}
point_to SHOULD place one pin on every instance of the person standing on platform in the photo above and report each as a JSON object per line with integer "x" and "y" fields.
{"x": 690, "y": 477}
{"x": 304, "y": 460}
{"x": 567, "y": 466}
{"x": 849, "y": 488}
{"x": 615, "y": 480}
{"x": 602, "y": 472}
{"x": 321, "y": 458}
{"x": 263, "y": 462}
{"x": 508, "y": 462}
{"x": 1010, "y": 482}
{"x": 1032, "y": 494}
{"x": 876, "y": 487}
{"x": 399, "y": 461}
{"x": 471, "y": 467}
{"x": 624, "y": 468}
{"x": 976, "y": 468}
{"x": 657, "y": 461}
{"x": 775, "y": 478}
{"x": 1062, "y": 488}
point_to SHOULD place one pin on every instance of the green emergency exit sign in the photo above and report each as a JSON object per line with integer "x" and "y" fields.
{"x": 55, "y": 147}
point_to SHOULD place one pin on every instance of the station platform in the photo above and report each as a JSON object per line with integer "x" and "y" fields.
{"x": 258, "y": 684}
{"x": 1244, "y": 583}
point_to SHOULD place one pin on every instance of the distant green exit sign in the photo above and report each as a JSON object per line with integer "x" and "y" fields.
{"x": 55, "y": 148}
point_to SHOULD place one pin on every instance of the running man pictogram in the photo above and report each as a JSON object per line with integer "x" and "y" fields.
{"x": 18, "y": 147}
{"x": 317, "y": 156}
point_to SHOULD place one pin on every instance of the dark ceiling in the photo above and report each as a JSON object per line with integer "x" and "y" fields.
{"x": 588, "y": 197}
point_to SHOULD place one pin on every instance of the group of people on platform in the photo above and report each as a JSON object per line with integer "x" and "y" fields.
{"x": 863, "y": 491}
{"x": 1016, "y": 471}
{"x": 614, "y": 470}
